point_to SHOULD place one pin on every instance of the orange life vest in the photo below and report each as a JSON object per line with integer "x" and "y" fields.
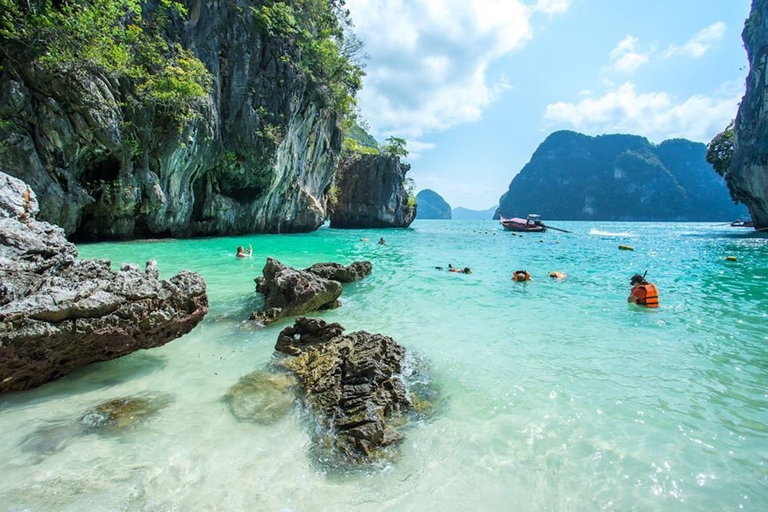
{"x": 651, "y": 299}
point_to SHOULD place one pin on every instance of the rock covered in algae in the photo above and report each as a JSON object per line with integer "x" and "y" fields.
{"x": 352, "y": 385}
{"x": 262, "y": 397}
{"x": 120, "y": 414}
{"x": 114, "y": 416}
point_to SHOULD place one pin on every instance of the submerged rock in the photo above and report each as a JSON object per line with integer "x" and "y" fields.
{"x": 111, "y": 417}
{"x": 291, "y": 292}
{"x": 352, "y": 385}
{"x": 120, "y": 414}
{"x": 49, "y": 438}
{"x": 262, "y": 397}
{"x": 58, "y": 313}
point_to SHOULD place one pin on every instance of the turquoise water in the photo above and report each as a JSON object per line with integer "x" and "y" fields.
{"x": 554, "y": 395}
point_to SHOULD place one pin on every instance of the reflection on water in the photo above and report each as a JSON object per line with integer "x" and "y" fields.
{"x": 551, "y": 395}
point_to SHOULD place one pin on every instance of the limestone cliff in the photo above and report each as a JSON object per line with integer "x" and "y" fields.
{"x": 432, "y": 205}
{"x": 370, "y": 193}
{"x": 572, "y": 176}
{"x": 748, "y": 176}
{"x": 258, "y": 155}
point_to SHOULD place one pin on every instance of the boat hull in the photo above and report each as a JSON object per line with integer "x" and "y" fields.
{"x": 521, "y": 226}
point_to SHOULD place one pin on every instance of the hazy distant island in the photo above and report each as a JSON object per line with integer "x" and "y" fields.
{"x": 432, "y": 205}
{"x": 573, "y": 176}
{"x": 460, "y": 213}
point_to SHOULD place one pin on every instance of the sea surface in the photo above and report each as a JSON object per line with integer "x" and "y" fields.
{"x": 553, "y": 395}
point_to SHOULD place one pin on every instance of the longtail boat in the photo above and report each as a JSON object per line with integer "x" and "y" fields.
{"x": 531, "y": 224}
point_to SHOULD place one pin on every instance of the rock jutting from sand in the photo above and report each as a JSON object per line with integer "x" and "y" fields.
{"x": 353, "y": 386}
{"x": 58, "y": 313}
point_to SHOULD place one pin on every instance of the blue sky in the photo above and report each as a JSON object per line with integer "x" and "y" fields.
{"x": 476, "y": 85}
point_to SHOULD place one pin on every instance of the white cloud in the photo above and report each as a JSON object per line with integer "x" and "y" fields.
{"x": 626, "y": 57}
{"x": 656, "y": 115}
{"x": 552, "y": 6}
{"x": 416, "y": 148}
{"x": 429, "y": 59}
{"x": 700, "y": 43}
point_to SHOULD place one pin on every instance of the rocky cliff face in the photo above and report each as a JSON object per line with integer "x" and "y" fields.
{"x": 572, "y": 176}
{"x": 371, "y": 194}
{"x": 748, "y": 177}
{"x": 257, "y": 157}
{"x": 432, "y": 205}
{"x": 58, "y": 313}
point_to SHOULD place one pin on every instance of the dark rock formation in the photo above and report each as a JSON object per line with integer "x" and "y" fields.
{"x": 343, "y": 274}
{"x": 291, "y": 292}
{"x": 58, "y": 313}
{"x": 460, "y": 213}
{"x": 371, "y": 194}
{"x": 748, "y": 176}
{"x": 432, "y": 205}
{"x": 262, "y": 397}
{"x": 572, "y": 176}
{"x": 257, "y": 157}
{"x": 352, "y": 385}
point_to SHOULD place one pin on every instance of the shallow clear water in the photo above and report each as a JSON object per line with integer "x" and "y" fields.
{"x": 555, "y": 395}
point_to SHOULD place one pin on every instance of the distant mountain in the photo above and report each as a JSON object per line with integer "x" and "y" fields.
{"x": 572, "y": 176}
{"x": 432, "y": 206}
{"x": 460, "y": 213}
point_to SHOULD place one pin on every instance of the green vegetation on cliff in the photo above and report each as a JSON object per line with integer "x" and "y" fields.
{"x": 110, "y": 37}
{"x": 572, "y": 176}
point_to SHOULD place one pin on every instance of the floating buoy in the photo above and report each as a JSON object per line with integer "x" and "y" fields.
{"x": 731, "y": 258}
{"x": 626, "y": 248}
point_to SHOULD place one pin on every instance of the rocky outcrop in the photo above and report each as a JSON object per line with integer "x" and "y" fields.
{"x": 291, "y": 292}
{"x": 58, "y": 313}
{"x": 748, "y": 176}
{"x": 432, "y": 205}
{"x": 258, "y": 155}
{"x": 572, "y": 176}
{"x": 371, "y": 193}
{"x": 343, "y": 274}
{"x": 352, "y": 385}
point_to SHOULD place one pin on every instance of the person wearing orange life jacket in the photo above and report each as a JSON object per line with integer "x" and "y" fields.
{"x": 643, "y": 293}
{"x": 521, "y": 276}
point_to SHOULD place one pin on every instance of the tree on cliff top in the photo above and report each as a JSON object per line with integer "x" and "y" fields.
{"x": 720, "y": 150}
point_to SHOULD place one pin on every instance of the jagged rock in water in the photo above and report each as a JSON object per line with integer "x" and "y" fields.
{"x": 58, "y": 313}
{"x": 262, "y": 397}
{"x": 343, "y": 274}
{"x": 352, "y": 385}
{"x": 257, "y": 156}
{"x": 432, "y": 206}
{"x": 572, "y": 176}
{"x": 748, "y": 176}
{"x": 119, "y": 414}
{"x": 371, "y": 193}
{"x": 291, "y": 292}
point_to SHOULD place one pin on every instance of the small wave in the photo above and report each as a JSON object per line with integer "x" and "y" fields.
{"x": 598, "y": 232}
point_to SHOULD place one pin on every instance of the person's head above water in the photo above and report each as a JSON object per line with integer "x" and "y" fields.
{"x": 637, "y": 279}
